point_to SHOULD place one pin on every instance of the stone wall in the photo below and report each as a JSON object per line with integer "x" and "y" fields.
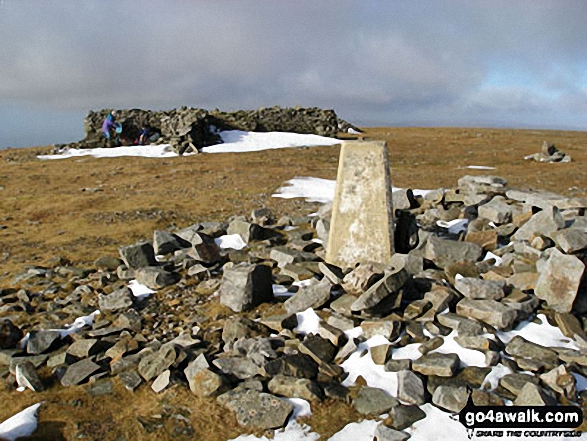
{"x": 190, "y": 129}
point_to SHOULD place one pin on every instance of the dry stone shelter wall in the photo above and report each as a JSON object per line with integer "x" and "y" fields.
{"x": 187, "y": 128}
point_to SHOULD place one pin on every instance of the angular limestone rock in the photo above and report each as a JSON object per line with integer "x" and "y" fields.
{"x": 245, "y": 286}
{"x": 559, "y": 281}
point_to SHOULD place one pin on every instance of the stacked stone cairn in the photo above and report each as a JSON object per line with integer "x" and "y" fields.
{"x": 189, "y": 129}
{"x": 549, "y": 153}
{"x": 214, "y": 325}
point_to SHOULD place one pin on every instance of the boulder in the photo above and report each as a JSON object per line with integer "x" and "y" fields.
{"x": 245, "y": 286}
{"x": 559, "y": 281}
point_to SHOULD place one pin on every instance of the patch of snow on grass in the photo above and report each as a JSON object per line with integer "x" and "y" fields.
{"x": 480, "y": 167}
{"x": 318, "y": 190}
{"x": 311, "y": 189}
{"x": 145, "y": 151}
{"x": 238, "y": 141}
{"x": 20, "y": 425}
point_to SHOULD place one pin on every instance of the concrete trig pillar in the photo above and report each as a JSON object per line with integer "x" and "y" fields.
{"x": 361, "y": 228}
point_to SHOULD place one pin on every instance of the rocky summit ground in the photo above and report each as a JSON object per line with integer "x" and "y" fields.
{"x": 62, "y": 224}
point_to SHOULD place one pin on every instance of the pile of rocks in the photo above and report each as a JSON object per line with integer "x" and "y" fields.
{"x": 549, "y": 153}
{"x": 216, "y": 325}
{"x": 189, "y": 129}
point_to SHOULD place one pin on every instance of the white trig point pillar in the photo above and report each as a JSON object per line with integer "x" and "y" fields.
{"x": 361, "y": 228}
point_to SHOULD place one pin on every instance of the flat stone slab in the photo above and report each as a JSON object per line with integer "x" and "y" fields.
{"x": 361, "y": 228}
{"x": 559, "y": 281}
{"x": 78, "y": 372}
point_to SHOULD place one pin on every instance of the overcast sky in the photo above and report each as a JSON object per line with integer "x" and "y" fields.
{"x": 375, "y": 62}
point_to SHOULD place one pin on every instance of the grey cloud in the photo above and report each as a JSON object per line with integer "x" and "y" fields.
{"x": 373, "y": 61}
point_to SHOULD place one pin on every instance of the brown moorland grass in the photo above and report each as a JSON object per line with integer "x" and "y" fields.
{"x": 82, "y": 208}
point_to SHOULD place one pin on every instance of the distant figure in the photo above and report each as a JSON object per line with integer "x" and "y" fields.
{"x": 144, "y": 134}
{"x": 109, "y": 126}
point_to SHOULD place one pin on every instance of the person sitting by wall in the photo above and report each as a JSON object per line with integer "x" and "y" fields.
{"x": 144, "y": 134}
{"x": 110, "y": 129}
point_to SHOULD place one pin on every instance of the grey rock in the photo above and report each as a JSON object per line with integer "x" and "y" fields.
{"x": 374, "y": 401}
{"x": 384, "y": 433}
{"x": 450, "y": 398}
{"x": 381, "y": 353}
{"x": 570, "y": 240}
{"x": 118, "y": 300}
{"x": 320, "y": 349}
{"x": 442, "y": 365}
{"x": 496, "y": 210}
{"x": 311, "y": 296}
{"x": 390, "y": 329}
{"x": 152, "y": 365}
{"x": 156, "y": 277}
{"x": 404, "y": 416}
{"x": 544, "y": 222}
{"x": 100, "y": 388}
{"x": 138, "y": 255}
{"x": 165, "y": 242}
{"x": 410, "y": 263}
{"x": 204, "y": 383}
{"x": 60, "y": 359}
{"x": 389, "y": 285}
{"x": 130, "y": 379}
{"x": 245, "y": 286}
{"x": 515, "y": 382}
{"x": 293, "y": 365}
{"x": 41, "y": 341}
{"x": 292, "y": 387}
{"x": 257, "y": 409}
{"x": 27, "y": 376}
{"x": 10, "y": 334}
{"x": 246, "y": 230}
{"x": 489, "y": 311}
{"x": 130, "y": 320}
{"x": 533, "y": 395}
{"x": 78, "y": 372}
{"x": 333, "y": 334}
{"x": 398, "y": 365}
{"x": 519, "y": 347}
{"x": 240, "y": 367}
{"x": 361, "y": 278}
{"x": 410, "y": 388}
{"x": 559, "y": 281}
{"x": 280, "y": 322}
{"x": 162, "y": 381}
{"x": 478, "y": 289}
{"x": 204, "y": 249}
{"x": 342, "y": 305}
{"x": 331, "y": 272}
{"x": 561, "y": 380}
{"x": 241, "y": 327}
{"x": 109, "y": 263}
{"x": 482, "y": 184}
{"x": 444, "y": 252}
{"x": 349, "y": 347}
{"x": 83, "y": 348}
